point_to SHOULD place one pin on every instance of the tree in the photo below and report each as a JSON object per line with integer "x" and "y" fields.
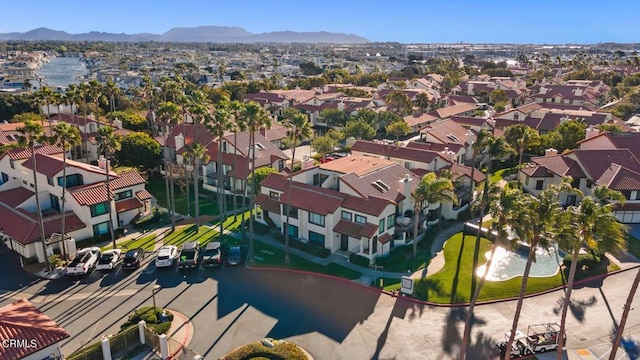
{"x": 45, "y": 96}
{"x": 537, "y": 227}
{"x": 31, "y": 134}
{"x": 254, "y": 117}
{"x": 521, "y": 137}
{"x": 108, "y": 144}
{"x": 218, "y": 123}
{"x": 387, "y": 117}
{"x": 66, "y": 137}
{"x": 592, "y": 225}
{"x": 236, "y": 126}
{"x": 259, "y": 175}
{"x": 399, "y": 102}
{"x": 359, "y": 129}
{"x": 96, "y": 94}
{"x": 610, "y": 127}
{"x": 500, "y": 107}
{"x": 432, "y": 189}
{"x": 198, "y": 154}
{"x": 139, "y": 150}
{"x": 299, "y": 129}
{"x": 169, "y": 115}
{"x": 333, "y": 117}
{"x": 565, "y": 136}
{"x": 323, "y": 145}
{"x": 27, "y": 116}
{"x": 625, "y": 314}
{"x": 398, "y": 129}
{"x": 422, "y": 101}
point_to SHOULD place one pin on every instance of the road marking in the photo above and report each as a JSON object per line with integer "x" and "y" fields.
{"x": 76, "y": 297}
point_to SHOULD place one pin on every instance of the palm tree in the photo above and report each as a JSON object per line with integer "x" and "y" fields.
{"x": 95, "y": 93}
{"x": 299, "y": 129}
{"x": 169, "y": 115}
{"x": 625, "y": 314}
{"x": 217, "y": 124}
{"x": 199, "y": 155}
{"x": 111, "y": 91}
{"x": 538, "y": 222}
{"x": 503, "y": 205}
{"x": 478, "y": 146}
{"x": 45, "y": 96}
{"x": 66, "y": 137}
{"x": 592, "y": 225}
{"x": 237, "y": 125}
{"x": 31, "y": 134}
{"x": 254, "y": 117}
{"x": 432, "y": 189}
{"x": 108, "y": 144}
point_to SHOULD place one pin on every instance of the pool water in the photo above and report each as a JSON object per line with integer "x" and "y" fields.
{"x": 508, "y": 264}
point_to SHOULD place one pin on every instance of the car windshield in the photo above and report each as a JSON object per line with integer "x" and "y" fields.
{"x": 212, "y": 252}
{"x": 132, "y": 254}
{"x": 163, "y": 257}
{"x": 234, "y": 251}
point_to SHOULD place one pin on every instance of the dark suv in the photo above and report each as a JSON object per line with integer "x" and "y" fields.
{"x": 212, "y": 255}
{"x": 132, "y": 259}
{"x": 189, "y": 254}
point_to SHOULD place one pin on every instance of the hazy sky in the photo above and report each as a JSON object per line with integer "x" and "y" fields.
{"x": 536, "y": 21}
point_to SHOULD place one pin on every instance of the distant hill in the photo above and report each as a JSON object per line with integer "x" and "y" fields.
{"x": 190, "y": 34}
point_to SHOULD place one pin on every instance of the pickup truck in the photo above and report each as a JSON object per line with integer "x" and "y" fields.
{"x": 212, "y": 255}
{"x": 189, "y": 254}
{"x": 85, "y": 260}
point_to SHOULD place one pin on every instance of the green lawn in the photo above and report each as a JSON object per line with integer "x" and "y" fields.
{"x": 207, "y": 204}
{"x": 146, "y": 242}
{"x": 502, "y": 173}
{"x": 188, "y": 233}
{"x": 453, "y": 284}
{"x": 633, "y": 246}
{"x": 401, "y": 258}
{"x": 266, "y": 255}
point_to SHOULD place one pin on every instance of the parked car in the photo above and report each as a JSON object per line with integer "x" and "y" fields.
{"x": 85, "y": 260}
{"x": 109, "y": 259}
{"x": 326, "y": 159}
{"x": 133, "y": 259}
{"x": 167, "y": 256}
{"x": 212, "y": 255}
{"x": 189, "y": 254}
{"x": 235, "y": 255}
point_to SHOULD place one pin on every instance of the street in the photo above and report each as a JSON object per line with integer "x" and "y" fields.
{"x": 330, "y": 318}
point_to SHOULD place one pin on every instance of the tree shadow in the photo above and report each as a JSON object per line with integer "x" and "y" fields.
{"x": 399, "y": 311}
{"x": 456, "y": 277}
{"x": 578, "y": 307}
{"x": 451, "y": 336}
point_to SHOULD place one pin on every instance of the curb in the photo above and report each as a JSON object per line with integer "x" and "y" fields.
{"x": 185, "y": 326}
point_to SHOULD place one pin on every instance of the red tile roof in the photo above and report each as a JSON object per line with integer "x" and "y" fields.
{"x": 91, "y": 194}
{"x": 143, "y": 195}
{"x": 23, "y": 321}
{"x": 596, "y": 162}
{"x": 21, "y": 154}
{"x": 51, "y": 165}
{"x": 268, "y": 204}
{"x": 384, "y": 238}
{"x": 128, "y": 204}
{"x": 413, "y": 154}
{"x": 458, "y": 170}
{"x": 23, "y": 226}
{"x": 126, "y": 179}
{"x": 559, "y": 165}
{"x": 446, "y": 131}
{"x": 389, "y": 175}
{"x": 355, "y": 230}
{"x": 620, "y": 178}
{"x": 73, "y": 119}
{"x": 15, "y": 197}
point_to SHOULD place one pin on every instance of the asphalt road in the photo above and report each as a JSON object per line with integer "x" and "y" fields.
{"x": 332, "y": 319}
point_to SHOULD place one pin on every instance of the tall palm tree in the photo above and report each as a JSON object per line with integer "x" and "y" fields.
{"x": 592, "y": 225}
{"x": 198, "y": 154}
{"x": 503, "y": 205}
{"x": 299, "y": 129}
{"x": 111, "y": 91}
{"x": 108, "y": 144}
{"x": 432, "y": 189}
{"x": 95, "y": 92}
{"x": 169, "y": 115}
{"x": 31, "y": 134}
{"x": 66, "y": 137}
{"x": 625, "y": 314}
{"x": 538, "y": 228}
{"x": 237, "y": 125}
{"x": 254, "y": 117}
{"x": 217, "y": 124}
{"x": 46, "y": 96}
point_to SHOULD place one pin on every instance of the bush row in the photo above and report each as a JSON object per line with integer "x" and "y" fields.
{"x": 309, "y": 248}
{"x": 283, "y": 351}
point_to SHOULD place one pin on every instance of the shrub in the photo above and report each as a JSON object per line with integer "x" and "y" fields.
{"x": 151, "y": 316}
{"x": 358, "y": 260}
{"x": 281, "y": 351}
{"x": 588, "y": 261}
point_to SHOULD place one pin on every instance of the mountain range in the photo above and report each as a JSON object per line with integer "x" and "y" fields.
{"x": 218, "y": 34}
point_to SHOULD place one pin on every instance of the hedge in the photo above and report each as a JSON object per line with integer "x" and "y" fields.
{"x": 308, "y": 248}
{"x": 359, "y": 260}
{"x": 151, "y": 316}
{"x": 585, "y": 261}
{"x": 281, "y": 351}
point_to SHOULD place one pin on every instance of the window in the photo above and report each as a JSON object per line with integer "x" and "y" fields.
{"x": 381, "y": 226}
{"x": 99, "y": 209}
{"x": 391, "y": 221}
{"x": 571, "y": 200}
{"x": 50, "y": 180}
{"x": 575, "y": 183}
{"x": 539, "y": 184}
{"x": 293, "y": 231}
{"x": 293, "y": 212}
{"x": 316, "y": 219}
{"x": 274, "y": 195}
{"x": 316, "y": 238}
{"x": 409, "y": 165}
{"x": 13, "y": 166}
{"x": 347, "y": 215}
{"x": 72, "y": 180}
{"x": 5, "y": 178}
{"x": 226, "y": 169}
{"x": 124, "y": 195}
{"x": 361, "y": 219}
{"x": 55, "y": 204}
{"x": 101, "y": 229}
{"x": 516, "y": 116}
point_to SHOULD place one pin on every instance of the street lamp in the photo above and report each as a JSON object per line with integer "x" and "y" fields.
{"x": 155, "y": 288}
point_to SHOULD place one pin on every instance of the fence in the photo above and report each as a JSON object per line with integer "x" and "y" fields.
{"x": 179, "y": 352}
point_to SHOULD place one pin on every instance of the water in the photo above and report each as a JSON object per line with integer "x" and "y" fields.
{"x": 508, "y": 264}
{"x": 62, "y": 71}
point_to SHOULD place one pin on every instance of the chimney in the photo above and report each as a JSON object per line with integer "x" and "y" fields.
{"x": 251, "y": 152}
{"x": 341, "y": 106}
{"x": 179, "y": 139}
{"x": 103, "y": 163}
{"x": 449, "y": 155}
{"x": 550, "y": 152}
{"x": 405, "y": 186}
{"x": 417, "y": 111}
{"x": 471, "y": 137}
{"x": 591, "y": 132}
{"x": 117, "y": 123}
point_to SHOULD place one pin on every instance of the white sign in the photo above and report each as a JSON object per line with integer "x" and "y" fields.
{"x": 406, "y": 285}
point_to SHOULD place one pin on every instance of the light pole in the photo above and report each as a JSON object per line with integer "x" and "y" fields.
{"x": 155, "y": 288}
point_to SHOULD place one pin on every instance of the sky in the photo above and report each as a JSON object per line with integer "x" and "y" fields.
{"x": 405, "y": 21}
